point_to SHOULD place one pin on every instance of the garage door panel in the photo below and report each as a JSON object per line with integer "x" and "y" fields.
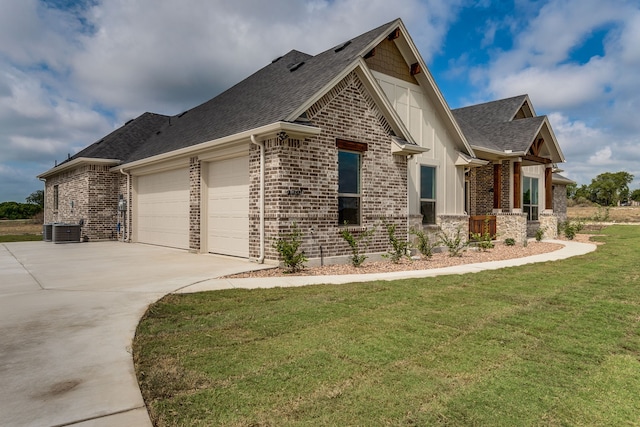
{"x": 163, "y": 208}
{"x": 228, "y": 207}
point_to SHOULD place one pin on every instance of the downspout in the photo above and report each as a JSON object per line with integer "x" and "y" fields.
{"x": 261, "y": 204}
{"x": 127, "y": 219}
{"x": 409, "y": 160}
{"x": 44, "y": 200}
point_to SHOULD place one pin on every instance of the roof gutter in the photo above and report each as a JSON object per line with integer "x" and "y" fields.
{"x": 75, "y": 163}
{"x": 292, "y": 129}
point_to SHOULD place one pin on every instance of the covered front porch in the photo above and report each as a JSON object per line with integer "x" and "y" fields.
{"x": 513, "y": 196}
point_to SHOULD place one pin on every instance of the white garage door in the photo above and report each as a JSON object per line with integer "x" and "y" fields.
{"x": 163, "y": 208}
{"x": 228, "y": 207}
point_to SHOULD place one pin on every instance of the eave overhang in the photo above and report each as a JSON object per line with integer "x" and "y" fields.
{"x": 80, "y": 161}
{"x": 401, "y": 147}
{"x": 292, "y": 130}
{"x": 466, "y": 161}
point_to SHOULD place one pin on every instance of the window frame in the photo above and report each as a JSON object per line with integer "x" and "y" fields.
{"x": 357, "y": 196}
{"x": 431, "y": 200}
{"x": 56, "y": 197}
{"x": 528, "y": 208}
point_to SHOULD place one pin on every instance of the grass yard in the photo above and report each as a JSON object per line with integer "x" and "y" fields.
{"x": 546, "y": 344}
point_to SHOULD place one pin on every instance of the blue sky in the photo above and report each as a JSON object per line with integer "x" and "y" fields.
{"x": 72, "y": 71}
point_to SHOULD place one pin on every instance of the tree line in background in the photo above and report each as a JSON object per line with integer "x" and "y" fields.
{"x": 607, "y": 189}
{"x": 15, "y": 210}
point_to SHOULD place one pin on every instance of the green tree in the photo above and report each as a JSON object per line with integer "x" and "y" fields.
{"x": 635, "y": 195}
{"x": 14, "y": 210}
{"x": 609, "y": 188}
{"x": 36, "y": 198}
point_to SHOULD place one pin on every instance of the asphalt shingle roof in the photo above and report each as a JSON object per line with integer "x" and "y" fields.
{"x": 123, "y": 141}
{"x": 269, "y": 95}
{"x": 490, "y": 125}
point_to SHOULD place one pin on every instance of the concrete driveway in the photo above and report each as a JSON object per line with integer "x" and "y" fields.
{"x": 68, "y": 314}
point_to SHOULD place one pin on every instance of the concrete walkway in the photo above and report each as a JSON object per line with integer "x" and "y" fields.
{"x": 68, "y": 315}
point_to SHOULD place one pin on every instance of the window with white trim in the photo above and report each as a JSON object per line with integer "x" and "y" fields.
{"x": 349, "y": 194}
{"x": 428, "y": 194}
{"x": 530, "y": 198}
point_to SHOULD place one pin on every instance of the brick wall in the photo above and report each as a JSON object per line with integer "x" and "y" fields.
{"x": 560, "y": 202}
{"x": 89, "y": 193}
{"x": 480, "y": 182}
{"x": 195, "y": 169}
{"x": 302, "y": 178}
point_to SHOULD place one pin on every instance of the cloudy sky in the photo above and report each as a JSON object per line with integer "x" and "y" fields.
{"x": 73, "y": 70}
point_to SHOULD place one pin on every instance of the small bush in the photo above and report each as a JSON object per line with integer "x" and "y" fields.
{"x": 356, "y": 243}
{"x": 602, "y": 214}
{"x": 456, "y": 243}
{"x": 510, "y": 241}
{"x": 540, "y": 233}
{"x": 399, "y": 248}
{"x": 287, "y": 246}
{"x": 484, "y": 240}
{"x": 425, "y": 245}
{"x": 571, "y": 228}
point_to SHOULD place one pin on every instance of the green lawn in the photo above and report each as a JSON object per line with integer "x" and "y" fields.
{"x": 546, "y": 344}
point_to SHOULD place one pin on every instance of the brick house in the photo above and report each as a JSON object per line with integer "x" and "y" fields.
{"x": 357, "y": 136}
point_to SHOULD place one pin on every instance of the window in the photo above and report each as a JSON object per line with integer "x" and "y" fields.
{"x": 55, "y": 197}
{"x": 348, "y": 188}
{"x": 428, "y": 194}
{"x": 530, "y": 198}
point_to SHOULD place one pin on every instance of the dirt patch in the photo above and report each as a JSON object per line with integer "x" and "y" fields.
{"x": 439, "y": 260}
{"x": 19, "y": 227}
{"x": 618, "y": 214}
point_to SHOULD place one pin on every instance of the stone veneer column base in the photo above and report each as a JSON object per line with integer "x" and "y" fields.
{"x": 512, "y": 225}
{"x": 449, "y": 224}
{"x": 549, "y": 223}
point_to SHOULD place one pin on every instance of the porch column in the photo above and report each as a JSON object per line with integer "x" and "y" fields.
{"x": 517, "y": 190}
{"x": 548, "y": 189}
{"x": 497, "y": 187}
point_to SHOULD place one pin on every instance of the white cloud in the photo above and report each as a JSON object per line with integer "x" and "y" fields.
{"x": 601, "y": 157}
{"x": 152, "y": 55}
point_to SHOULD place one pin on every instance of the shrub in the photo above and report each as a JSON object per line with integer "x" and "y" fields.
{"x": 540, "y": 234}
{"x": 510, "y": 241}
{"x": 287, "y": 246}
{"x": 571, "y": 228}
{"x": 399, "y": 248}
{"x": 455, "y": 243}
{"x": 356, "y": 243}
{"x": 425, "y": 245}
{"x": 484, "y": 240}
{"x": 602, "y": 214}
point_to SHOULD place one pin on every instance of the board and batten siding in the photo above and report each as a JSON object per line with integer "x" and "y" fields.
{"x": 427, "y": 129}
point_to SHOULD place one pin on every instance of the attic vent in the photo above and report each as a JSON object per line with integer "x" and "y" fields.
{"x": 100, "y": 142}
{"x": 183, "y": 113}
{"x": 295, "y": 66}
{"x": 129, "y": 121}
{"x": 159, "y": 132}
{"x": 276, "y": 60}
{"x": 338, "y": 49}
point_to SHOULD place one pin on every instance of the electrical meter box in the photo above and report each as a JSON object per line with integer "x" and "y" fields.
{"x": 122, "y": 204}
